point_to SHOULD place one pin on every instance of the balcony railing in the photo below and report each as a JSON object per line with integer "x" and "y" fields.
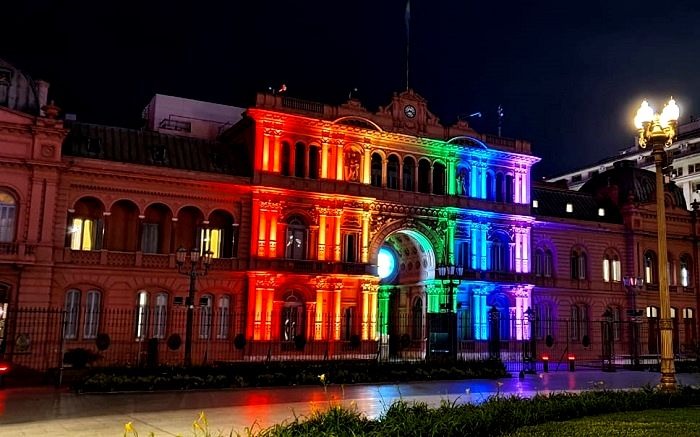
{"x": 313, "y": 266}
{"x": 17, "y": 252}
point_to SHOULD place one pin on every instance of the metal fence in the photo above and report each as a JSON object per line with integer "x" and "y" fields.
{"x": 39, "y": 338}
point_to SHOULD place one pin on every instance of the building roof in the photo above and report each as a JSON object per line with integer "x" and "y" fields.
{"x": 18, "y": 91}
{"x": 625, "y": 182}
{"x": 552, "y": 200}
{"x": 155, "y": 149}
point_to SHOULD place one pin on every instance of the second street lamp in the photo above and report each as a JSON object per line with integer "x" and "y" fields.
{"x": 452, "y": 275}
{"x": 192, "y": 266}
{"x": 659, "y": 131}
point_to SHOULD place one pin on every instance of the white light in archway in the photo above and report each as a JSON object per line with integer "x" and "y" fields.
{"x": 386, "y": 263}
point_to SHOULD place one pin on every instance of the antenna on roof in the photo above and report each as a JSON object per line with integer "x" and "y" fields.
{"x": 354, "y": 90}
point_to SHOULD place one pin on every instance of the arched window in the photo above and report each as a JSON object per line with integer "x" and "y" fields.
{"x": 417, "y": 319}
{"x": 500, "y": 252}
{"x": 92, "y": 314}
{"x": 218, "y": 236}
{"x": 160, "y": 315}
{"x": 154, "y": 229}
{"x": 685, "y": 265}
{"x": 8, "y": 211}
{"x": 72, "y": 309}
{"x": 286, "y": 169}
{"x": 392, "y": 172}
{"x": 548, "y": 264}
{"x": 86, "y": 225}
{"x": 612, "y": 270}
{"x": 292, "y": 317}
{"x": 295, "y": 246}
{"x": 438, "y": 178}
{"x": 538, "y": 263}
{"x": 409, "y": 168}
{"x": 651, "y": 267}
{"x": 223, "y": 321}
{"x": 579, "y": 264}
{"x": 205, "y": 316}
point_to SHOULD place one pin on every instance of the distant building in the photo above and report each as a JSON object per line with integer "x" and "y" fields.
{"x": 684, "y": 171}
{"x": 189, "y": 118}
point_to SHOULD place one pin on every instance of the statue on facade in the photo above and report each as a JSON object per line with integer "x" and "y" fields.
{"x": 352, "y": 166}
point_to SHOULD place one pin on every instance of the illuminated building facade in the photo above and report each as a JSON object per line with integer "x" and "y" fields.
{"x": 331, "y": 229}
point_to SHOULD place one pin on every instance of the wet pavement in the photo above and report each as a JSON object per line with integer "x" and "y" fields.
{"x": 43, "y": 410}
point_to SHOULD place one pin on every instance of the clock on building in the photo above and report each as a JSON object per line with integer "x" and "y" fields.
{"x": 410, "y": 111}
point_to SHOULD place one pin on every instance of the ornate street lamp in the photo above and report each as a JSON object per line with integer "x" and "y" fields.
{"x": 659, "y": 131}
{"x": 634, "y": 285}
{"x": 450, "y": 274}
{"x": 192, "y": 266}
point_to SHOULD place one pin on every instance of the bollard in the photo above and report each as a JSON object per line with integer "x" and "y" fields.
{"x": 545, "y": 363}
{"x": 572, "y": 363}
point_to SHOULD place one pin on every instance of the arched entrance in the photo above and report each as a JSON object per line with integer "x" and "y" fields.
{"x": 406, "y": 265}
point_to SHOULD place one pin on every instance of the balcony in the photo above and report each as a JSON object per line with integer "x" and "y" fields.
{"x": 154, "y": 261}
{"x": 313, "y": 266}
{"x": 18, "y": 253}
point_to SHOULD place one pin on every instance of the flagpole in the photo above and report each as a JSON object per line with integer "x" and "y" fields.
{"x": 407, "y": 18}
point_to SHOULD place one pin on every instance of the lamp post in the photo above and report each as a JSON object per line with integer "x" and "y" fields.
{"x": 450, "y": 273}
{"x": 658, "y": 131}
{"x": 634, "y": 285}
{"x": 193, "y": 266}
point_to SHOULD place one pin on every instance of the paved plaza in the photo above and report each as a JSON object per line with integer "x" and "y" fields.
{"x": 47, "y": 411}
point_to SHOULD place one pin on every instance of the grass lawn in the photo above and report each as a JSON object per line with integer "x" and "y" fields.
{"x": 668, "y": 422}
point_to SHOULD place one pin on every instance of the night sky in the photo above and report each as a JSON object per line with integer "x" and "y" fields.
{"x": 568, "y": 74}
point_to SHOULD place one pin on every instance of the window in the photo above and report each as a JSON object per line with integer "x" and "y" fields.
{"x": 579, "y": 264}
{"x": 601, "y": 212}
{"x": 299, "y": 159}
{"x": 205, "y": 316}
{"x": 292, "y": 317}
{"x": 463, "y": 177}
{"x": 544, "y": 320}
{"x": 535, "y": 204}
{"x": 71, "y": 308}
{"x": 689, "y": 325}
{"x": 438, "y": 178}
{"x": 346, "y": 327}
{"x": 464, "y": 252}
{"x": 286, "y": 159}
{"x": 7, "y": 217}
{"x": 500, "y": 256}
{"x": 612, "y": 270}
{"x": 392, "y": 173}
{"x": 569, "y": 207}
{"x": 685, "y": 264}
{"x": 548, "y": 263}
{"x": 86, "y": 234}
{"x": 409, "y": 168}
{"x": 295, "y": 247}
{"x": 615, "y": 313}
{"x": 92, "y": 314}
{"x": 350, "y": 248}
{"x": 149, "y": 237}
{"x": 142, "y": 315}
{"x": 212, "y": 239}
{"x": 538, "y": 267}
{"x": 579, "y": 321}
{"x": 224, "y": 321}
{"x": 417, "y": 319}
{"x": 376, "y": 170}
{"x": 160, "y": 314}
{"x": 651, "y": 272}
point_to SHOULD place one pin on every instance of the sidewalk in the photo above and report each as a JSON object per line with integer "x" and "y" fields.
{"x": 37, "y": 411}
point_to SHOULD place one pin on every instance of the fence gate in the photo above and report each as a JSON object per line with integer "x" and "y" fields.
{"x": 33, "y": 338}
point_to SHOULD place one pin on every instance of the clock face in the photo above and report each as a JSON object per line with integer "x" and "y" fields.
{"x": 410, "y": 111}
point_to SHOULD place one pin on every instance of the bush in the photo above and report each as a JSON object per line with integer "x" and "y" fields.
{"x": 79, "y": 357}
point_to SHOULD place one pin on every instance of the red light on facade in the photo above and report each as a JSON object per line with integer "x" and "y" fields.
{"x": 545, "y": 357}
{"x": 571, "y": 357}
{"x": 4, "y": 368}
